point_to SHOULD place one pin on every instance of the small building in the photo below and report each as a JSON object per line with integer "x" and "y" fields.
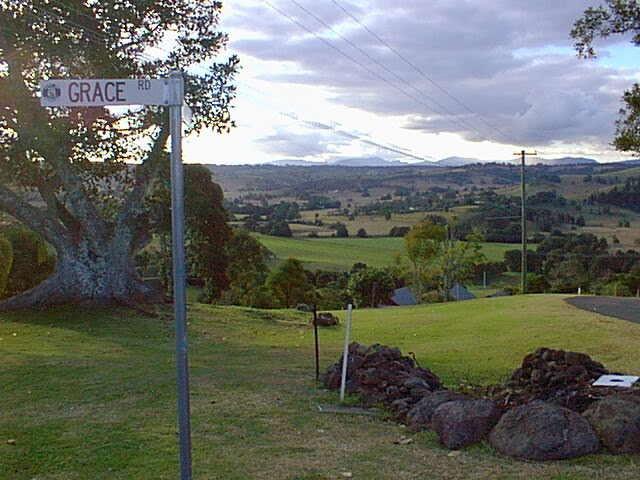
{"x": 403, "y": 296}
{"x": 459, "y": 292}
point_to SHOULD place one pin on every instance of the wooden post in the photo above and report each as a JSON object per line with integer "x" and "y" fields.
{"x": 523, "y": 222}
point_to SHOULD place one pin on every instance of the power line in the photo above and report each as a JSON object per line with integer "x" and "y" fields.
{"x": 420, "y": 71}
{"x": 451, "y": 115}
{"x": 334, "y": 128}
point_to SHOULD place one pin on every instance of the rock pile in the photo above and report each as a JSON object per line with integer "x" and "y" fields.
{"x": 557, "y": 376}
{"x": 536, "y": 416}
{"x": 326, "y": 319}
{"x": 382, "y": 374}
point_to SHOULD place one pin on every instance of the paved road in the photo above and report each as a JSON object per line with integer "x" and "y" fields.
{"x": 626, "y": 308}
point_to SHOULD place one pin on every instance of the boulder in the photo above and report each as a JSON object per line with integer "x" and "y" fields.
{"x": 543, "y": 431}
{"x": 616, "y": 421}
{"x": 464, "y": 422}
{"x": 326, "y": 319}
{"x": 419, "y": 417}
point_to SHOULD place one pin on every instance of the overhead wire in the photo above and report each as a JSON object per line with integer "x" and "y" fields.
{"x": 438, "y": 109}
{"x": 420, "y": 71}
{"x": 339, "y": 129}
{"x": 99, "y": 38}
{"x": 448, "y": 115}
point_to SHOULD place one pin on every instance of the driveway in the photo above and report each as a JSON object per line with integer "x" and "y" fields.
{"x": 626, "y": 308}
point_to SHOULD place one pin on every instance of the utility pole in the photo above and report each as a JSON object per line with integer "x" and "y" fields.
{"x": 523, "y": 221}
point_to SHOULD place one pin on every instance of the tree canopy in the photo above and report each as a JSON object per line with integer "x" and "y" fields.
{"x": 615, "y": 17}
{"x": 76, "y": 162}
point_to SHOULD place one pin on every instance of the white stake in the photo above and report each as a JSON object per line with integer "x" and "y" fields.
{"x": 345, "y": 356}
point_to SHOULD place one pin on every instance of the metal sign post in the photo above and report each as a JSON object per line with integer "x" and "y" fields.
{"x": 345, "y": 355}
{"x": 176, "y": 87}
{"x": 169, "y": 93}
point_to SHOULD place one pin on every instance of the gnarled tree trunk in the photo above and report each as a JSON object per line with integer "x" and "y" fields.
{"x": 86, "y": 276}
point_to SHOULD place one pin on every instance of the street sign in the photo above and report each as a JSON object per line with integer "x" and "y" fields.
{"x": 101, "y": 92}
{"x": 167, "y": 92}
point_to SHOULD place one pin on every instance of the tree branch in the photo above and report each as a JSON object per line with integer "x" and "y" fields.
{"x": 144, "y": 175}
{"x": 35, "y": 129}
{"x": 37, "y": 219}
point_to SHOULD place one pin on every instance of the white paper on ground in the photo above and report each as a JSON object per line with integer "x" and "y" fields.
{"x": 615, "y": 381}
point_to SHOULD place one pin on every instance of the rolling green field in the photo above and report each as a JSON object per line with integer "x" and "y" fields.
{"x": 91, "y": 394}
{"x": 342, "y": 253}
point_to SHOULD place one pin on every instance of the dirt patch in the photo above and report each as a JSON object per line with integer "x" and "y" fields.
{"x": 623, "y": 308}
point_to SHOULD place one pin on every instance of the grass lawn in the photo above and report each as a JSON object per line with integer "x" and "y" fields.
{"x": 342, "y": 253}
{"x": 90, "y": 395}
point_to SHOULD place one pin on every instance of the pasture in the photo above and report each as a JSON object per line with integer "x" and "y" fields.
{"x": 92, "y": 394}
{"x": 342, "y": 253}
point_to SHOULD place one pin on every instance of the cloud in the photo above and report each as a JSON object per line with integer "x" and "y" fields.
{"x": 287, "y": 143}
{"x": 493, "y": 70}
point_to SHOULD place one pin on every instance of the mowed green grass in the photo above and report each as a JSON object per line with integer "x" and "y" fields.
{"x": 91, "y": 394}
{"x": 342, "y": 253}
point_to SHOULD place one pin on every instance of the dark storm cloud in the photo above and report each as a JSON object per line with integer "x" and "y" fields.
{"x": 498, "y": 59}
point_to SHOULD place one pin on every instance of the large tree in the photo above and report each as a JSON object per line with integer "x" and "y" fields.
{"x": 61, "y": 169}
{"x": 615, "y": 17}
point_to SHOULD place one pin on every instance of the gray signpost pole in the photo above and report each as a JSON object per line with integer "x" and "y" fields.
{"x": 168, "y": 92}
{"x": 179, "y": 275}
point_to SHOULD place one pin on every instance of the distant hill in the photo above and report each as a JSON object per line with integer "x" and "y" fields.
{"x": 295, "y": 163}
{"x": 444, "y": 162}
{"x": 633, "y": 162}
{"x": 367, "y": 162}
{"x": 562, "y": 161}
{"x": 458, "y": 161}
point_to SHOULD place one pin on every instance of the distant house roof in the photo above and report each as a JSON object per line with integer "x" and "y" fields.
{"x": 459, "y": 292}
{"x": 403, "y": 296}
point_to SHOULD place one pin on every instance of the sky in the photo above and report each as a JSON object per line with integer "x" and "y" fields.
{"x": 416, "y": 80}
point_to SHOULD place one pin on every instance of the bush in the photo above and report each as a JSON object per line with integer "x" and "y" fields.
{"x": 433, "y": 296}
{"x": 536, "y": 283}
{"x": 402, "y": 231}
{"x": 6, "y": 259}
{"x": 341, "y": 230}
{"x": 32, "y": 261}
{"x": 617, "y": 289}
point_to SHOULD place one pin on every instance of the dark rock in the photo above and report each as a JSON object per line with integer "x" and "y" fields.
{"x": 304, "y": 307}
{"x": 326, "y": 319}
{"x": 464, "y": 422}
{"x": 576, "y": 358}
{"x": 542, "y": 431}
{"x": 419, "y": 417}
{"x": 616, "y": 421}
{"x": 537, "y": 375}
{"x": 575, "y": 372}
{"x": 392, "y": 392}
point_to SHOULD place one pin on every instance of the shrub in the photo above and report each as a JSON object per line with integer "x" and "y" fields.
{"x": 32, "y": 261}
{"x": 6, "y": 259}
{"x": 433, "y": 296}
{"x": 341, "y": 230}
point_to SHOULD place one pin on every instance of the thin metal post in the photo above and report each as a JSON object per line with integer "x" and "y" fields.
{"x": 179, "y": 276}
{"x": 345, "y": 356}
{"x": 315, "y": 336}
{"x": 523, "y": 279}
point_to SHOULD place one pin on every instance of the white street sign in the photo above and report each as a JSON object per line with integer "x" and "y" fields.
{"x": 99, "y": 92}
